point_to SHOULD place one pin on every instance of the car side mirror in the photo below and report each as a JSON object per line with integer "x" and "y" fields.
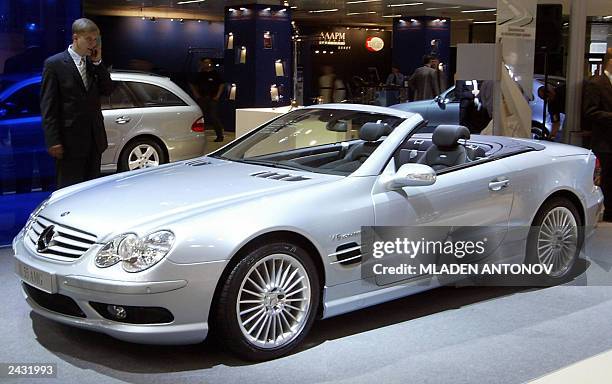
{"x": 411, "y": 175}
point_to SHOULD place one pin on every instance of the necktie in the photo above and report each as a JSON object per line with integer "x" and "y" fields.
{"x": 83, "y": 72}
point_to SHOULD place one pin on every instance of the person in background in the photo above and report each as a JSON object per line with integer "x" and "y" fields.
{"x": 72, "y": 83}
{"x": 423, "y": 81}
{"x": 326, "y": 84}
{"x": 207, "y": 88}
{"x": 555, "y": 99}
{"x": 395, "y": 77}
{"x": 440, "y": 75}
{"x": 597, "y": 115}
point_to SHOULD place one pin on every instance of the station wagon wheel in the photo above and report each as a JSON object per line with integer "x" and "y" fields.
{"x": 141, "y": 153}
{"x": 268, "y": 302}
{"x": 556, "y": 238}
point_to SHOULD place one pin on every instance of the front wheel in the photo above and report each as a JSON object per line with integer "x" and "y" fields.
{"x": 555, "y": 239}
{"x": 268, "y": 303}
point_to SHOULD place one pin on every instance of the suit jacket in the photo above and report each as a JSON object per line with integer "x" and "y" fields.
{"x": 597, "y": 112}
{"x": 424, "y": 83}
{"x": 71, "y": 114}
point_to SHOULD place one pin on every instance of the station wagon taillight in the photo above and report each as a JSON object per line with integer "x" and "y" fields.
{"x": 198, "y": 125}
{"x": 597, "y": 173}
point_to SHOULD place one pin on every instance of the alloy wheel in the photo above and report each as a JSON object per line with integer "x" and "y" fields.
{"x": 557, "y": 240}
{"x": 273, "y": 301}
{"x": 143, "y": 156}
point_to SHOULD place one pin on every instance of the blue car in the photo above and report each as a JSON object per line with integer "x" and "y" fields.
{"x": 444, "y": 109}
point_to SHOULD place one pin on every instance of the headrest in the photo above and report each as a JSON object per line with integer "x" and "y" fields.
{"x": 374, "y": 131}
{"x": 449, "y": 135}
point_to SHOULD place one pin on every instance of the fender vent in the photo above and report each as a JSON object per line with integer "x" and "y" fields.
{"x": 279, "y": 176}
{"x": 347, "y": 254}
{"x": 197, "y": 163}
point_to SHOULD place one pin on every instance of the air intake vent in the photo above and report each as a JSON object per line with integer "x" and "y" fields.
{"x": 279, "y": 176}
{"x": 197, "y": 163}
{"x": 347, "y": 254}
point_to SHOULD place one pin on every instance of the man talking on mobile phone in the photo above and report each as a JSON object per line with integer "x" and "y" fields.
{"x": 72, "y": 83}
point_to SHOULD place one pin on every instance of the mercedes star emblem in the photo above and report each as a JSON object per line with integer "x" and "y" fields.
{"x": 46, "y": 239}
{"x": 65, "y": 213}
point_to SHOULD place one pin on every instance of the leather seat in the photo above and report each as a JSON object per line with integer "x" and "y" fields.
{"x": 446, "y": 151}
{"x": 370, "y": 133}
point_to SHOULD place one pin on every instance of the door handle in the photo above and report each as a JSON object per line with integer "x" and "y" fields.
{"x": 122, "y": 120}
{"x": 499, "y": 184}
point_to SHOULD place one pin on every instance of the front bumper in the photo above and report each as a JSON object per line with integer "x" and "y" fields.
{"x": 185, "y": 290}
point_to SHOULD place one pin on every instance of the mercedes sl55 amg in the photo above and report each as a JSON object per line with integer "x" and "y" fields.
{"x": 260, "y": 238}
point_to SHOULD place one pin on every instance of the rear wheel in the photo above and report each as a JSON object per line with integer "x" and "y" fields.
{"x": 556, "y": 238}
{"x": 268, "y": 303}
{"x": 141, "y": 153}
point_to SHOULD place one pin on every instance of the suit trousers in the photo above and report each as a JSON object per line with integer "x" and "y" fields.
{"x": 605, "y": 160}
{"x": 76, "y": 170}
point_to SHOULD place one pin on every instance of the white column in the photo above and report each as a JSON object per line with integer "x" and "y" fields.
{"x": 575, "y": 70}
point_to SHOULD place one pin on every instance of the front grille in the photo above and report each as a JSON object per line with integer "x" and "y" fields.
{"x": 279, "y": 176}
{"x": 54, "y": 302}
{"x": 67, "y": 244}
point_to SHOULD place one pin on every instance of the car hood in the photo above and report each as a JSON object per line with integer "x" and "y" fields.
{"x": 122, "y": 202}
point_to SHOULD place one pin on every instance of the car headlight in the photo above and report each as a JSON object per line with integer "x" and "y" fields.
{"x": 34, "y": 214}
{"x": 135, "y": 253}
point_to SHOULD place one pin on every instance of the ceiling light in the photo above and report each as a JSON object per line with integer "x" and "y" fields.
{"x": 392, "y": 15}
{"x": 479, "y": 10}
{"x": 190, "y": 1}
{"x": 267, "y": 9}
{"x": 438, "y": 8}
{"x": 404, "y": 5}
{"x": 485, "y": 22}
{"x": 361, "y": 1}
{"x": 324, "y": 10}
{"x": 360, "y": 13}
{"x": 243, "y": 9}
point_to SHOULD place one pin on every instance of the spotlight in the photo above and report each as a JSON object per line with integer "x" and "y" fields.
{"x": 181, "y": 21}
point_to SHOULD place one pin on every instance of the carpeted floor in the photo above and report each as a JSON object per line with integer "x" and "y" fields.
{"x": 448, "y": 335}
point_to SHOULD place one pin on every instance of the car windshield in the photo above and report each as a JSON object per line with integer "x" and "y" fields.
{"x": 316, "y": 140}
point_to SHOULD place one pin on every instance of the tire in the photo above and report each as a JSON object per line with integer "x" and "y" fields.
{"x": 258, "y": 321}
{"x": 559, "y": 217}
{"x": 141, "y": 153}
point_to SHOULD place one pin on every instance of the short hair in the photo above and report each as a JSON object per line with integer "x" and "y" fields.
{"x": 84, "y": 25}
{"x": 426, "y": 59}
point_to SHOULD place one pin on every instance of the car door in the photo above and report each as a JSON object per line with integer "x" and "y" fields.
{"x": 24, "y": 163}
{"x": 479, "y": 195}
{"x": 121, "y": 115}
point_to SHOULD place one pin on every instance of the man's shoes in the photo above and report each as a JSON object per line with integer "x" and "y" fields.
{"x": 218, "y": 139}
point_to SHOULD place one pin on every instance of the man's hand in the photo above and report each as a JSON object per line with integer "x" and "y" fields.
{"x": 56, "y": 151}
{"x": 96, "y": 53}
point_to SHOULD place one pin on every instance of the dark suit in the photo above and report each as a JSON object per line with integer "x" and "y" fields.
{"x": 424, "y": 83}
{"x": 72, "y": 117}
{"x": 597, "y": 117}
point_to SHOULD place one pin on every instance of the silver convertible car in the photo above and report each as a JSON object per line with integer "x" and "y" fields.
{"x": 260, "y": 238}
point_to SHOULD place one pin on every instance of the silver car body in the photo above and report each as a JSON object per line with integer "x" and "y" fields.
{"x": 168, "y": 125}
{"x": 215, "y": 207}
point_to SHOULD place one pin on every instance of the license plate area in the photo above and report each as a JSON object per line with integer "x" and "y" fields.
{"x": 42, "y": 280}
